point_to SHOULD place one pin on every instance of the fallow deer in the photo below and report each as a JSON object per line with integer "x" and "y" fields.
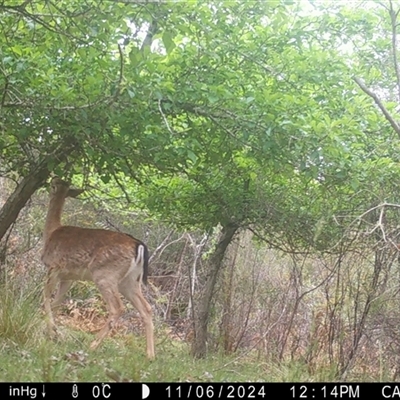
{"x": 114, "y": 261}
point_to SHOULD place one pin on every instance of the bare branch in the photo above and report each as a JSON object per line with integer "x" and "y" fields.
{"x": 161, "y": 246}
{"x": 380, "y": 225}
{"x": 378, "y": 102}
{"x": 382, "y": 4}
{"x": 165, "y": 118}
{"x": 165, "y": 246}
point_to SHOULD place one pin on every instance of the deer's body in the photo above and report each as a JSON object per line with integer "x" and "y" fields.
{"x": 112, "y": 252}
{"x": 115, "y": 261}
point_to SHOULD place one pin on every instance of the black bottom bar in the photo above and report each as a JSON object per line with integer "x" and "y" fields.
{"x": 176, "y": 391}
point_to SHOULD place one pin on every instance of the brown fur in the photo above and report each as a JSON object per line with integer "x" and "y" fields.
{"x": 115, "y": 261}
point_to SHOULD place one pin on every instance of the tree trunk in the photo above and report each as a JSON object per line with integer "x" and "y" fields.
{"x": 199, "y": 345}
{"x": 22, "y": 193}
{"x": 29, "y": 184}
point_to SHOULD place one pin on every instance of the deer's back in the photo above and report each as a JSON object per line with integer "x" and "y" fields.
{"x": 77, "y": 252}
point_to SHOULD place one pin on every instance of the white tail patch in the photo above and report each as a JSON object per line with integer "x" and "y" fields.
{"x": 136, "y": 266}
{"x": 140, "y": 255}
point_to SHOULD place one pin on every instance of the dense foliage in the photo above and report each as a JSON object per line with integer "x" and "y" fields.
{"x": 279, "y": 117}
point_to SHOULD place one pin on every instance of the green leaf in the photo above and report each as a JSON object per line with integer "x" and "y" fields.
{"x": 168, "y": 41}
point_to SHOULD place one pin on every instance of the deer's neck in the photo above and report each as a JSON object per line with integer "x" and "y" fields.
{"x": 53, "y": 218}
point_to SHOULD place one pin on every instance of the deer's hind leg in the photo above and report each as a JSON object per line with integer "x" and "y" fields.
{"x": 109, "y": 291}
{"x": 132, "y": 291}
{"x": 61, "y": 292}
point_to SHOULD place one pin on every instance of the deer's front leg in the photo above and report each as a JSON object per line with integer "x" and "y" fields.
{"x": 49, "y": 287}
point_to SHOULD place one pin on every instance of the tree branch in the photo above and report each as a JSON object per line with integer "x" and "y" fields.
{"x": 393, "y": 19}
{"x": 378, "y": 102}
{"x": 121, "y": 74}
{"x": 150, "y": 34}
{"x": 165, "y": 118}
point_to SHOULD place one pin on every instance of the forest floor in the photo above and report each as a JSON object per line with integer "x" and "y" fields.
{"x": 28, "y": 355}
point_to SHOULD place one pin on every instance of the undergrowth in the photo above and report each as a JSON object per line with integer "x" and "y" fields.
{"x": 27, "y": 354}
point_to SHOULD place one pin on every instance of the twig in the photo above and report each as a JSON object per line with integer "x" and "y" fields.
{"x": 165, "y": 118}
{"x": 261, "y": 338}
{"x": 168, "y": 244}
{"x": 121, "y": 72}
{"x": 5, "y": 90}
{"x": 160, "y": 249}
{"x": 122, "y": 187}
{"x": 380, "y": 223}
{"x": 161, "y": 246}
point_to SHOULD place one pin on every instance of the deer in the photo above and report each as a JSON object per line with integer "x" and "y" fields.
{"x": 116, "y": 262}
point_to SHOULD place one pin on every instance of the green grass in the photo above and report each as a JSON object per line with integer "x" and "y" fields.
{"x": 124, "y": 360}
{"x": 19, "y": 313}
{"x": 117, "y": 359}
{"x": 27, "y": 354}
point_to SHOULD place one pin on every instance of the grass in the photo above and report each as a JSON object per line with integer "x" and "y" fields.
{"x": 27, "y": 354}
{"x": 19, "y": 314}
{"x": 119, "y": 359}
